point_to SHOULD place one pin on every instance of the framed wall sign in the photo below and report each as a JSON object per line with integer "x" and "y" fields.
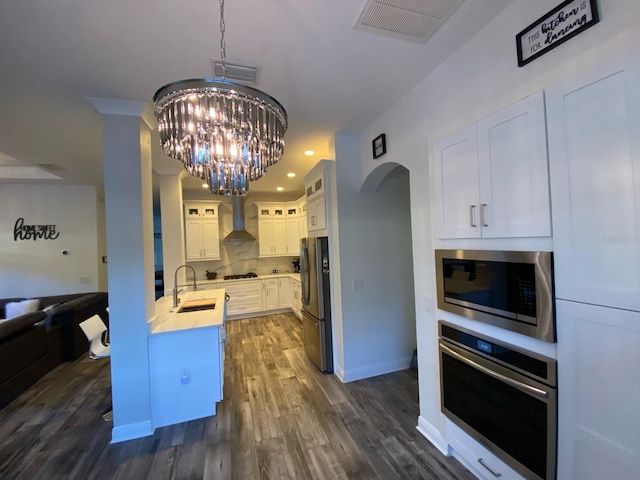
{"x": 379, "y": 146}
{"x": 556, "y": 27}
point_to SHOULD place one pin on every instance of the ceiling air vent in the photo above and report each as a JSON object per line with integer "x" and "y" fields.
{"x": 235, "y": 72}
{"x": 414, "y": 20}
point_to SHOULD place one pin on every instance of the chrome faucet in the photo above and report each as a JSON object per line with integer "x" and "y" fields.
{"x": 175, "y": 284}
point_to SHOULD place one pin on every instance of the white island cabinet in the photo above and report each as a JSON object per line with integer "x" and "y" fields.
{"x": 186, "y": 359}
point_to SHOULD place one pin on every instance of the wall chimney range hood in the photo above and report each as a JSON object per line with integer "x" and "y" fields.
{"x": 239, "y": 231}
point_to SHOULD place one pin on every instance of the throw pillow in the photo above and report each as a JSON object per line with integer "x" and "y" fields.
{"x": 15, "y": 309}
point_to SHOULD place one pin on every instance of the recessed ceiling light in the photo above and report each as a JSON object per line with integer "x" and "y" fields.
{"x": 291, "y": 174}
{"x": 280, "y": 189}
{"x": 204, "y": 185}
{"x": 309, "y": 152}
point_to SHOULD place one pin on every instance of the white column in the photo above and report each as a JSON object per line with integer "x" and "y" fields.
{"x": 172, "y": 215}
{"x": 129, "y": 225}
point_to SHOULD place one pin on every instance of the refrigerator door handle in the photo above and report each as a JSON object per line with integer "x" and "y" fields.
{"x": 304, "y": 273}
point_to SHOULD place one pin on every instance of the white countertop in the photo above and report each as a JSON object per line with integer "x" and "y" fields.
{"x": 168, "y": 320}
{"x": 292, "y": 275}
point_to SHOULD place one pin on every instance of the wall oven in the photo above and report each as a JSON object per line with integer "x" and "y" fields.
{"x": 503, "y": 396}
{"x": 512, "y": 290}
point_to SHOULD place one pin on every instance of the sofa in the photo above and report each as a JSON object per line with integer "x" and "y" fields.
{"x": 34, "y": 343}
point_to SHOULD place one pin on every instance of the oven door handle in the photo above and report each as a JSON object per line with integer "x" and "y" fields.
{"x": 514, "y": 383}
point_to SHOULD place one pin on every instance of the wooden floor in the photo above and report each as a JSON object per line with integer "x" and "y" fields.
{"x": 280, "y": 419}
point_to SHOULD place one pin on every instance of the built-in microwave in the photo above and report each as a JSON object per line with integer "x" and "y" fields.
{"x": 511, "y": 290}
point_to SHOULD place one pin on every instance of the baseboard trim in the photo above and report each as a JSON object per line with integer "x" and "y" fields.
{"x": 339, "y": 372}
{"x": 434, "y": 436}
{"x": 375, "y": 370}
{"x": 131, "y": 431}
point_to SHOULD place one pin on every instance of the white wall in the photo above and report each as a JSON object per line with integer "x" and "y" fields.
{"x": 378, "y": 322}
{"x": 31, "y": 268}
{"x": 480, "y": 78}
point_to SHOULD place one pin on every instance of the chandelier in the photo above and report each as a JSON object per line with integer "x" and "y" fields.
{"x": 224, "y": 133}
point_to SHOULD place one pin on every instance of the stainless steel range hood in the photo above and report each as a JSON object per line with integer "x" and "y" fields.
{"x": 239, "y": 231}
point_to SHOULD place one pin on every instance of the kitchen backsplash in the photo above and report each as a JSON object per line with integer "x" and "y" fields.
{"x": 240, "y": 256}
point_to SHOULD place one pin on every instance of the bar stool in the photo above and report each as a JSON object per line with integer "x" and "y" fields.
{"x": 96, "y": 332}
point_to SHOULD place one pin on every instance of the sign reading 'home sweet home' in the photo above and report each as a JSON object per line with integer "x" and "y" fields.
{"x": 556, "y": 27}
{"x": 33, "y": 232}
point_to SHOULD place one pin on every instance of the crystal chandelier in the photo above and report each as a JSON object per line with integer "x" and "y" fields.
{"x": 225, "y": 133}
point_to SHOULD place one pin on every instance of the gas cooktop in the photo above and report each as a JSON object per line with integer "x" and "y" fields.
{"x": 244, "y": 275}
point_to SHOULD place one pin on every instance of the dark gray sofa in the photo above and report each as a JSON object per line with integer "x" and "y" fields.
{"x": 33, "y": 344}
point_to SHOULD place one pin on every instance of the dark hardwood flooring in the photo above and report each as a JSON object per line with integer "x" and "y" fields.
{"x": 280, "y": 419}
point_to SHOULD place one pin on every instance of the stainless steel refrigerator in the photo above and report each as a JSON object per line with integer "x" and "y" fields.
{"x": 316, "y": 301}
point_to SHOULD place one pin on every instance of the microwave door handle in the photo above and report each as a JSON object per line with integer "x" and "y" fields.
{"x": 523, "y": 387}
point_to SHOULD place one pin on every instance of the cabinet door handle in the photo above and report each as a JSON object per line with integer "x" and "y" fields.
{"x": 491, "y": 470}
{"x": 483, "y": 215}
{"x": 472, "y": 212}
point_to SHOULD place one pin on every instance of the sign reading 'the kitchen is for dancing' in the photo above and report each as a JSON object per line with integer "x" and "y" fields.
{"x": 556, "y": 27}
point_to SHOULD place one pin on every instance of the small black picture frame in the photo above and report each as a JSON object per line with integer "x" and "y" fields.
{"x": 379, "y": 146}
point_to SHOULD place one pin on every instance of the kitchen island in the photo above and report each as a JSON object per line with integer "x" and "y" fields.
{"x": 186, "y": 358}
{"x": 168, "y": 319}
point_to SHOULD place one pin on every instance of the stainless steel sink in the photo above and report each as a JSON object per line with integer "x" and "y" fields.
{"x": 197, "y": 305}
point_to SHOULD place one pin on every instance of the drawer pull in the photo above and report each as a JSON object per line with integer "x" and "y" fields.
{"x": 491, "y": 470}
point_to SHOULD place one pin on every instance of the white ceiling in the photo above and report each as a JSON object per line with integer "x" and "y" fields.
{"x": 329, "y": 76}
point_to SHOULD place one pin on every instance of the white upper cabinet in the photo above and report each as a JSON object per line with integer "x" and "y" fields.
{"x": 293, "y": 236}
{"x": 513, "y": 170}
{"x": 278, "y": 226}
{"x": 315, "y": 186}
{"x": 270, "y": 210}
{"x": 317, "y": 214}
{"x": 594, "y": 156}
{"x": 491, "y": 178}
{"x": 456, "y": 185}
{"x": 202, "y": 233}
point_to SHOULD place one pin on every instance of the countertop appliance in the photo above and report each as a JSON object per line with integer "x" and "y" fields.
{"x": 511, "y": 290}
{"x": 503, "y": 396}
{"x": 316, "y": 301}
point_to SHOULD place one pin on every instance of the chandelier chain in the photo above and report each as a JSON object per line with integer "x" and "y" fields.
{"x": 223, "y": 46}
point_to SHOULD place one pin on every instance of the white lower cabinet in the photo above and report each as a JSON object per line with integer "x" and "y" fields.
{"x": 284, "y": 292}
{"x": 270, "y": 288}
{"x": 296, "y": 298}
{"x": 599, "y": 392}
{"x": 254, "y": 296}
{"x": 244, "y": 297}
{"x": 480, "y": 461}
{"x": 186, "y": 373}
